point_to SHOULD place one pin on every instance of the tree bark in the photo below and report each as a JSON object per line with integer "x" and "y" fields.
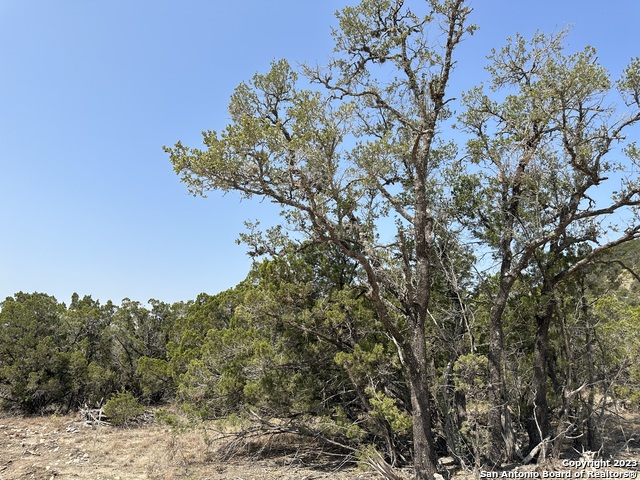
{"x": 500, "y": 425}
{"x": 591, "y": 431}
{"x": 417, "y": 367}
{"x": 538, "y": 426}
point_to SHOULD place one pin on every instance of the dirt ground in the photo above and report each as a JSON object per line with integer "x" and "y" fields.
{"x": 64, "y": 447}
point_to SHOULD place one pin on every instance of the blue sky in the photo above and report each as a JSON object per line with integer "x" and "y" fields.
{"x": 90, "y": 91}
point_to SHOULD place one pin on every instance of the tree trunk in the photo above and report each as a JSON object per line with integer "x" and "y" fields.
{"x": 454, "y": 413}
{"x": 561, "y": 433}
{"x": 424, "y": 458}
{"x": 538, "y": 426}
{"x": 591, "y": 431}
{"x": 500, "y": 425}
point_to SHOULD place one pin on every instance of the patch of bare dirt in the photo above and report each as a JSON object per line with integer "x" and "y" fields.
{"x": 65, "y": 447}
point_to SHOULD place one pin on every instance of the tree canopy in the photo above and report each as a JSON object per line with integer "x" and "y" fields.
{"x": 443, "y": 258}
{"x": 358, "y": 160}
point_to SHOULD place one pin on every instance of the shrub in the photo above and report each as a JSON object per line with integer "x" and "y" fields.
{"x": 122, "y": 408}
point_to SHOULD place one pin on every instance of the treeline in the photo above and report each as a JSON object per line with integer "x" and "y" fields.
{"x": 58, "y": 357}
{"x": 298, "y": 340}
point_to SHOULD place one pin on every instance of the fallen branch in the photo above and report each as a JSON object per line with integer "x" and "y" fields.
{"x": 535, "y": 451}
{"x": 94, "y": 416}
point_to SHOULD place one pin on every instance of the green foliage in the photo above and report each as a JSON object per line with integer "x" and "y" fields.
{"x": 470, "y": 371}
{"x": 87, "y": 324}
{"x": 122, "y": 408}
{"x": 166, "y": 417}
{"x": 34, "y": 362}
{"x": 471, "y": 380}
{"x": 52, "y": 356}
{"x": 617, "y": 336}
{"x": 138, "y": 332}
{"x": 377, "y": 283}
{"x": 386, "y": 408}
{"x": 155, "y": 377}
{"x": 187, "y": 336}
{"x": 363, "y": 154}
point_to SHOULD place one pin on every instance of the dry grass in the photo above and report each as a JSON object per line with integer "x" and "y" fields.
{"x": 50, "y": 448}
{"x": 63, "y": 447}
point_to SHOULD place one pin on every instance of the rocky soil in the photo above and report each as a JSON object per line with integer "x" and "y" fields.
{"x": 66, "y": 447}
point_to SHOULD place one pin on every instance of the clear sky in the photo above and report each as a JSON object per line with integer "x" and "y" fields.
{"x": 90, "y": 91}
